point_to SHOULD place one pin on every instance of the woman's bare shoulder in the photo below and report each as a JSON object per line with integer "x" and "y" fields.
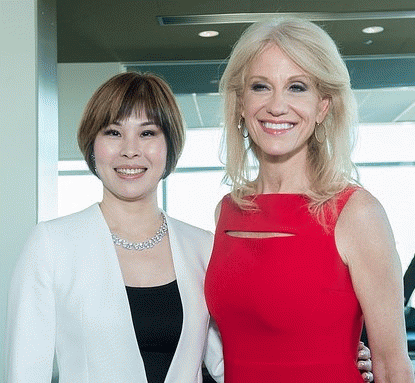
{"x": 361, "y": 207}
{"x": 363, "y": 228}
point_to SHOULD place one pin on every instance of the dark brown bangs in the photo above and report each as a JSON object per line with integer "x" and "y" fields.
{"x": 134, "y": 99}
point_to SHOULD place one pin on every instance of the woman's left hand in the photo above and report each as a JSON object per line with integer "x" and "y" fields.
{"x": 364, "y": 363}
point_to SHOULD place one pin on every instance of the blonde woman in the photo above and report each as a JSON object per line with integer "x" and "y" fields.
{"x": 302, "y": 253}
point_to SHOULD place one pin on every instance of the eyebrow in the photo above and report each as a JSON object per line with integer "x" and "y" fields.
{"x": 145, "y": 123}
{"x": 292, "y": 78}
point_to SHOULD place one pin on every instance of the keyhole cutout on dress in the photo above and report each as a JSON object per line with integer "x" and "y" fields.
{"x": 257, "y": 234}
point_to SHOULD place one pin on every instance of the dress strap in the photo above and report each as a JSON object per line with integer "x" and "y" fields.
{"x": 332, "y": 212}
{"x": 344, "y": 196}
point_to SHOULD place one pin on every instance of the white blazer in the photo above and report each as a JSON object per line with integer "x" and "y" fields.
{"x": 68, "y": 300}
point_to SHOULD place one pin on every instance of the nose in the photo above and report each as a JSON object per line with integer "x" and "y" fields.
{"x": 130, "y": 148}
{"x": 277, "y": 104}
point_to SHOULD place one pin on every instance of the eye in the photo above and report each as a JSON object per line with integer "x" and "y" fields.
{"x": 148, "y": 133}
{"x": 259, "y": 87}
{"x": 298, "y": 87}
{"x": 112, "y": 132}
{"x": 151, "y": 130}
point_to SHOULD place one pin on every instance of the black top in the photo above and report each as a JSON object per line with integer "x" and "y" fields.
{"x": 157, "y": 314}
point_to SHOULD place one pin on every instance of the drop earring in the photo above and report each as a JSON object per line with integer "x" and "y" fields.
{"x": 242, "y": 127}
{"x": 320, "y": 133}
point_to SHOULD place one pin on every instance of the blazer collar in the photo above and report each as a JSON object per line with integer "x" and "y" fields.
{"x": 186, "y": 289}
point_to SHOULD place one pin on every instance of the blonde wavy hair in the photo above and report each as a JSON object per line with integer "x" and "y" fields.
{"x": 312, "y": 49}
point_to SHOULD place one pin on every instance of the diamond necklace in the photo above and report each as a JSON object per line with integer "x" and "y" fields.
{"x": 153, "y": 241}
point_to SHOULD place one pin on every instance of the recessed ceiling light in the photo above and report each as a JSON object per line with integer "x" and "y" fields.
{"x": 208, "y": 34}
{"x": 372, "y": 30}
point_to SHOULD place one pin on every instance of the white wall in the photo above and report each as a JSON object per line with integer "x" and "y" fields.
{"x": 19, "y": 129}
{"x": 18, "y": 144}
{"x": 20, "y": 148}
{"x": 76, "y": 84}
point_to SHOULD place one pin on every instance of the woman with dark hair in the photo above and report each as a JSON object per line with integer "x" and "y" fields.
{"x": 115, "y": 292}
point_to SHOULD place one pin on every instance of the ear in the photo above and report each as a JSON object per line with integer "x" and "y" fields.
{"x": 240, "y": 104}
{"x": 324, "y": 107}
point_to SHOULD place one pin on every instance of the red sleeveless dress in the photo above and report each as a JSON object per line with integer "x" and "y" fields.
{"x": 285, "y": 306}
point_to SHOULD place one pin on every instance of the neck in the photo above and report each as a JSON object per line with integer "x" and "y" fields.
{"x": 283, "y": 175}
{"x": 132, "y": 219}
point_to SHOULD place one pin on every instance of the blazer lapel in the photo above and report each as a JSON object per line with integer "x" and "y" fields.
{"x": 126, "y": 340}
{"x": 191, "y": 341}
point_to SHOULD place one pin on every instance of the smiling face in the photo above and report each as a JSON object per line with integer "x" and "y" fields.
{"x": 281, "y": 106}
{"x": 130, "y": 157}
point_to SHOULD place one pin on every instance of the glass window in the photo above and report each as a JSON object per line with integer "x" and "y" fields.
{"x": 192, "y": 196}
{"x": 385, "y": 183}
{"x": 201, "y": 149}
{"x": 76, "y": 192}
{"x": 385, "y": 155}
{"x": 383, "y": 143}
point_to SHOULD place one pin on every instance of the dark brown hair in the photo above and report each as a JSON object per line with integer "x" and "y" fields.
{"x": 123, "y": 95}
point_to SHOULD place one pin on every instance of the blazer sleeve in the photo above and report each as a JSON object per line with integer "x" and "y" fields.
{"x": 213, "y": 356}
{"x": 31, "y": 320}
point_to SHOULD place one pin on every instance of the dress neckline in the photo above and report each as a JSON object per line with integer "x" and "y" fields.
{"x": 158, "y": 287}
{"x": 282, "y": 195}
